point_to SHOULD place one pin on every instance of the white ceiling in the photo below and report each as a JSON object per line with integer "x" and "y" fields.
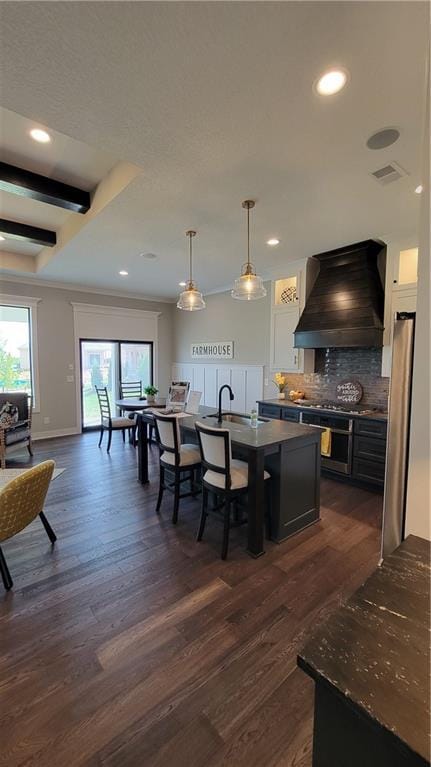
{"x": 214, "y": 102}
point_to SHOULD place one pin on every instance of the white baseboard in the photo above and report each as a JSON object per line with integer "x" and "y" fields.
{"x": 55, "y": 433}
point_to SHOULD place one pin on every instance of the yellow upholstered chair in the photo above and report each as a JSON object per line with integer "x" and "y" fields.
{"x": 21, "y": 501}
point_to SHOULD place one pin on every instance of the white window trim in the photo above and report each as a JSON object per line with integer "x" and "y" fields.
{"x": 29, "y": 303}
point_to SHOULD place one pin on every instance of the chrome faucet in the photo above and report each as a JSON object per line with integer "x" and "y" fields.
{"x": 231, "y": 395}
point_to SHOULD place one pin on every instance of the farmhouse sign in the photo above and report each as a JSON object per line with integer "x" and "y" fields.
{"x": 349, "y": 392}
{"x": 216, "y": 350}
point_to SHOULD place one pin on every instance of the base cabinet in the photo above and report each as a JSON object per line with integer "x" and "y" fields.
{"x": 368, "y": 449}
{"x": 345, "y": 737}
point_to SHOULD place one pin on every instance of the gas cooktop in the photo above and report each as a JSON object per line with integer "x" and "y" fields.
{"x": 338, "y": 407}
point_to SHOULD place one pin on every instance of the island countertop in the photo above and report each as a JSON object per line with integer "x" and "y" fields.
{"x": 374, "y": 651}
{"x": 268, "y": 432}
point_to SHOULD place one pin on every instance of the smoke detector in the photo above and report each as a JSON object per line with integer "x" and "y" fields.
{"x": 389, "y": 173}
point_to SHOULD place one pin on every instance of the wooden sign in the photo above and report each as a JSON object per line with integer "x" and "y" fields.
{"x": 216, "y": 350}
{"x": 349, "y": 392}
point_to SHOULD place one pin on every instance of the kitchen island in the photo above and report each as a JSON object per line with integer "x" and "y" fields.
{"x": 291, "y": 454}
{"x": 370, "y": 663}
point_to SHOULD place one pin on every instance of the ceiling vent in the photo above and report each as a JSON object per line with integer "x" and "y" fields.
{"x": 389, "y": 173}
{"x": 149, "y": 256}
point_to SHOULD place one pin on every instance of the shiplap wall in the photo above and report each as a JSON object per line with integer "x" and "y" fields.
{"x": 246, "y": 382}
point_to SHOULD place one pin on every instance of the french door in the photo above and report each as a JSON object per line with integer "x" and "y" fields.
{"x": 110, "y": 363}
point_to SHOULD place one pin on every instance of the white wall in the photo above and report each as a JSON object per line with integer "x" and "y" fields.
{"x": 246, "y": 323}
{"x": 418, "y": 519}
{"x": 56, "y": 348}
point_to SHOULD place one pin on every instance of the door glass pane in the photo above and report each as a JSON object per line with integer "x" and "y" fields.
{"x": 136, "y": 363}
{"x": 15, "y": 352}
{"x": 98, "y": 368}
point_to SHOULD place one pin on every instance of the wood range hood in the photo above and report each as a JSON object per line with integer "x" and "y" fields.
{"x": 346, "y": 303}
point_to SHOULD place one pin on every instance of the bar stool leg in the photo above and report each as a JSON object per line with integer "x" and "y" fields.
{"x": 226, "y": 527}
{"x": 161, "y": 488}
{"x": 176, "y": 498}
{"x": 204, "y": 514}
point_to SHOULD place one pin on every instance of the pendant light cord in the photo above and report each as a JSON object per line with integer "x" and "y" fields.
{"x": 190, "y": 256}
{"x": 248, "y": 236}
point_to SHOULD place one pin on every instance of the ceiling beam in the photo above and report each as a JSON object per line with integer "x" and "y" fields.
{"x": 16, "y": 231}
{"x": 28, "y": 184}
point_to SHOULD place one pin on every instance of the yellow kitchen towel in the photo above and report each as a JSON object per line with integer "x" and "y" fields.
{"x": 325, "y": 443}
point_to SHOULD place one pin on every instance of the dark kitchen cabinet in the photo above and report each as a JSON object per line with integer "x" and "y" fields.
{"x": 369, "y": 449}
{"x": 269, "y": 411}
{"x": 371, "y": 428}
{"x": 289, "y": 414}
{"x": 369, "y": 471}
{"x": 368, "y": 442}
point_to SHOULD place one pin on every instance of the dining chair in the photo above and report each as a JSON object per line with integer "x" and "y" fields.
{"x": 133, "y": 390}
{"x": 21, "y": 501}
{"x": 224, "y": 476}
{"x": 108, "y": 422}
{"x": 181, "y": 461}
{"x": 130, "y": 389}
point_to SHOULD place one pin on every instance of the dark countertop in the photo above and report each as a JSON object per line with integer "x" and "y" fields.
{"x": 380, "y": 416}
{"x": 271, "y": 432}
{"x": 375, "y": 650}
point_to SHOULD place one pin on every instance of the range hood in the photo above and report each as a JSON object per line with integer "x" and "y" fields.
{"x": 345, "y": 305}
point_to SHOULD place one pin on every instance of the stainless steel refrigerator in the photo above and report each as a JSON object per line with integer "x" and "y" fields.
{"x": 398, "y": 438}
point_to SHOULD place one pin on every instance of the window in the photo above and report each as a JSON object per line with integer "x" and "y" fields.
{"x": 18, "y": 346}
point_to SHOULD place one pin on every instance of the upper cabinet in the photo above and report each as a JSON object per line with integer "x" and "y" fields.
{"x": 400, "y": 293}
{"x": 287, "y": 302}
{"x": 405, "y": 273}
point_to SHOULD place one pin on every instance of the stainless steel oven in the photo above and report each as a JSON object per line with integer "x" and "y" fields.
{"x": 340, "y": 459}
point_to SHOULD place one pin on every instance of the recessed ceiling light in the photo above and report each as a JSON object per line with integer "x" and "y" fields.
{"x": 123, "y": 273}
{"x": 419, "y": 189}
{"x": 1, "y": 238}
{"x": 182, "y": 284}
{"x": 331, "y": 82}
{"x": 273, "y": 241}
{"x": 40, "y": 135}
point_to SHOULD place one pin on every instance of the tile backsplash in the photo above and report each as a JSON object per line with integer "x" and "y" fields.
{"x": 336, "y": 364}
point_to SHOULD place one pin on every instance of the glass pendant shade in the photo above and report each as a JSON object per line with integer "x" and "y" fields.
{"x": 249, "y": 286}
{"x": 190, "y": 299}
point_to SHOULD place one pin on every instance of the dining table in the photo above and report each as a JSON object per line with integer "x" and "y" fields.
{"x": 289, "y": 451}
{"x": 136, "y": 404}
{"x": 133, "y": 404}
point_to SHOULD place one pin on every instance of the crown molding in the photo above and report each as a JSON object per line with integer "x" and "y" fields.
{"x": 83, "y": 288}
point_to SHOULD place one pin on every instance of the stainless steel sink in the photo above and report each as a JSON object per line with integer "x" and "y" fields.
{"x": 243, "y": 420}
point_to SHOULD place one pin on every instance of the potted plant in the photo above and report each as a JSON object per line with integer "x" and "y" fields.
{"x": 150, "y": 393}
{"x": 280, "y": 381}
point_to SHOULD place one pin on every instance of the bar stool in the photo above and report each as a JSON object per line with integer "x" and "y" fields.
{"x": 176, "y": 459}
{"x": 224, "y": 476}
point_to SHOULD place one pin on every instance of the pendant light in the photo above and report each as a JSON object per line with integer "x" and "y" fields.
{"x": 190, "y": 299}
{"x": 249, "y": 285}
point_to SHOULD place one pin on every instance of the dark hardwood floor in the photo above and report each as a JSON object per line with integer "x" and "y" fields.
{"x": 128, "y": 644}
